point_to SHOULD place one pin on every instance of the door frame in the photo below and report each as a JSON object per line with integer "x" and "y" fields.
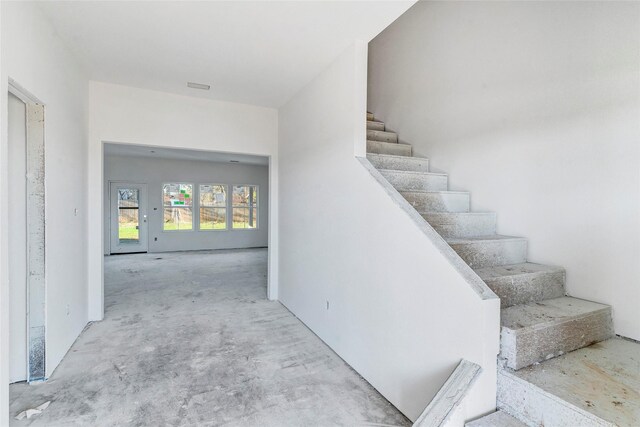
{"x": 142, "y": 209}
{"x": 36, "y": 285}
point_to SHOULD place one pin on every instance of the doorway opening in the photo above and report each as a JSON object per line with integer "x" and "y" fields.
{"x": 159, "y": 199}
{"x": 27, "y": 281}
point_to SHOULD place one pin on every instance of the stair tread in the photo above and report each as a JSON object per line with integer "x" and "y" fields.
{"x": 458, "y": 213}
{"x": 412, "y": 172}
{"x": 388, "y": 132}
{"x": 488, "y": 273}
{"x": 435, "y": 192}
{"x": 375, "y": 121}
{"x": 547, "y": 312}
{"x": 493, "y": 238}
{"x": 385, "y": 142}
{"x": 602, "y": 379}
{"x": 496, "y": 419}
{"x": 393, "y": 156}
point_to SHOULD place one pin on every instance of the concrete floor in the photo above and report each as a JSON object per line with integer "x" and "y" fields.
{"x": 190, "y": 339}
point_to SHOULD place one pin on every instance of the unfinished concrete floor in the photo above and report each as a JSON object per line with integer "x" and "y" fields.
{"x": 190, "y": 339}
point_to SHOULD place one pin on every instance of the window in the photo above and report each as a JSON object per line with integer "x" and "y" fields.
{"x": 245, "y": 206}
{"x": 213, "y": 207}
{"x": 178, "y": 207}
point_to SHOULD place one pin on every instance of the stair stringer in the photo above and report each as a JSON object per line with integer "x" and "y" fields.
{"x": 489, "y": 300}
{"x": 474, "y": 281}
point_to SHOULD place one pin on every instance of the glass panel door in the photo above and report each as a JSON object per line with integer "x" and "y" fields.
{"x": 128, "y": 215}
{"x": 128, "y": 224}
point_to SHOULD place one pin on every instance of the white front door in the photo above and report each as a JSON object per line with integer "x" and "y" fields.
{"x": 128, "y": 218}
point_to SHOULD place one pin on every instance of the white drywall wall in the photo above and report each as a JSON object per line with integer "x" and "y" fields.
{"x": 128, "y": 115}
{"x": 34, "y": 56}
{"x": 359, "y": 271}
{"x": 155, "y": 172}
{"x": 17, "y": 238}
{"x": 534, "y": 107}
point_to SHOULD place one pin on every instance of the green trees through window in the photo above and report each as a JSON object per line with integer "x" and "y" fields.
{"x": 178, "y": 207}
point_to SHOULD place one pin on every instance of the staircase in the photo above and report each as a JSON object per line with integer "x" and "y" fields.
{"x": 538, "y": 322}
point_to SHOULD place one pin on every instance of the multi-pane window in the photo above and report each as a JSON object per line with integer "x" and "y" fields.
{"x": 178, "y": 207}
{"x": 213, "y": 207}
{"x": 245, "y": 206}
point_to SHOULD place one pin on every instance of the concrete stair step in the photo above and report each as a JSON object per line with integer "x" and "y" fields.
{"x": 438, "y": 201}
{"x": 488, "y": 251}
{"x": 462, "y": 224}
{"x": 403, "y": 163}
{"x": 373, "y": 125}
{"x": 380, "y": 135}
{"x": 539, "y": 331}
{"x": 496, "y": 419}
{"x": 598, "y": 385}
{"x": 394, "y": 149}
{"x": 524, "y": 283}
{"x": 411, "y": 180}
{"x": 369, "y": 116}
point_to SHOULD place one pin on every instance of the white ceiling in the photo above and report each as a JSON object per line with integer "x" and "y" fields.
{"x": 178, "y": 154}
{"x": 254, "y": 52}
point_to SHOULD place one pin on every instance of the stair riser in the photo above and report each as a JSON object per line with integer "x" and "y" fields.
{"x": 487, "y": 254}
{"x": 523, "y": 347}
{"x": 522, "y": 289}
{"x": 416, "y": 182}
{"x": 369, "y": 116}
{"x": 462, "y": 225}
{"x": 375, "y": 125}
{"x": 377, "y": 135}
{"x": 415, "y": 164}
{"x": 378, "y": 147}
{"x": 535, "y": 407}
{"x": 438, "y": 202}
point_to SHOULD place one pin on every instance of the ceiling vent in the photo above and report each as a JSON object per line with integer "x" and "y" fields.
{"x": 198, "y": 86}
{"x": 234, "y": 161}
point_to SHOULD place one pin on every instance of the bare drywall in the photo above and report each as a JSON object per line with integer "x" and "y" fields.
{"x": 534, "y": 107}
{"x": 128, "y": 115}
{"x": 357, "y": 269}
{"x": 155, "y": 172}
{"x": 34, "y": 56}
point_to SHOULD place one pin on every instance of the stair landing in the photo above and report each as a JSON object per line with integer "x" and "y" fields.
{"x": 599, "y": 385}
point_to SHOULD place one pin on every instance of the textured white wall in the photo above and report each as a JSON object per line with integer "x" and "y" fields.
{"x": 155, "y": 172}
{"x": 35, "y": 57}
{"x": 357, "y": 270}
{"x": 129, "y": 115}
{"x": 534, "y": 107}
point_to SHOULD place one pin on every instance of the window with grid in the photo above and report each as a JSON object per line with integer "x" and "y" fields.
{"x": 177, "y": 202}
{"x": 213, "y": 207}
{"x": 245, "y": 206}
